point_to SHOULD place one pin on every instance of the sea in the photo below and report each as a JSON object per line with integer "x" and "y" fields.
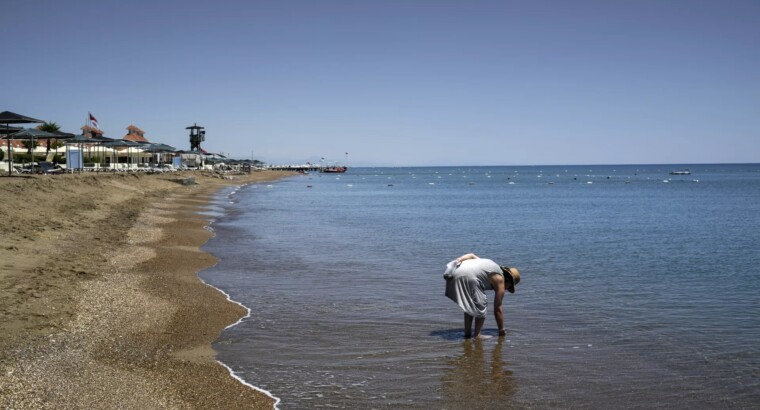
{"x": 640, "y": 289}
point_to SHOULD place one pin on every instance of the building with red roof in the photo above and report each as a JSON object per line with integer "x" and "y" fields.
{"x": 135, "y": 134}
{"x": 90, "y": 132}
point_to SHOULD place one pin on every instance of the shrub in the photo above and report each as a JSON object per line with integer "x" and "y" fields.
{"x": 20, "y": 157}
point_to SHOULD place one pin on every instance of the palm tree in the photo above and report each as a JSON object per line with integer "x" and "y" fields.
{"x": 30, "y": 145}
{"x": 49, "y": 127}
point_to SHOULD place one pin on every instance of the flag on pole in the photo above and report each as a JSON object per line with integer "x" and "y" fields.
{"x": 93, "y": 120}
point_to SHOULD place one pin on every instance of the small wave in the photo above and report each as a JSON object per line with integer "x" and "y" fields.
{"x": 229, "y": 369}
{"x": 258, "y": 389}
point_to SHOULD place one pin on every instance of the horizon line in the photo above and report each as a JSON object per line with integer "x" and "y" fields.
{"x": 540, "y": 165}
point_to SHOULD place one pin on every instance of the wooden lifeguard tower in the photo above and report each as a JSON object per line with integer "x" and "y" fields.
{"x": 197, "y": 135}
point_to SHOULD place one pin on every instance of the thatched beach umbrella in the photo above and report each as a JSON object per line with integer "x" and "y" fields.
{"x": 7, "y": 118}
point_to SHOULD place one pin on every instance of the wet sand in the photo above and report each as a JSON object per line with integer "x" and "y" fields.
{"x": 100, "y": 303}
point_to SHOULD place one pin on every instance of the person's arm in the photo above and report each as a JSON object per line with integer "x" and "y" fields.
{"x": 465, "y": 257}
{"x": 499, "y": 287}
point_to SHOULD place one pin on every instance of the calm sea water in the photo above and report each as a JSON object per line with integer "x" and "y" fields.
{"x": 639, "y": 289}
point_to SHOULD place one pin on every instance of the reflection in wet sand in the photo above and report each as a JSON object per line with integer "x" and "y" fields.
{"x": 472, "y": 381}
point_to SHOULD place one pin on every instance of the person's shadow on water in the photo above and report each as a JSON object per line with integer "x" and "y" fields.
{"x": 471, "y": 380}
{"x": 457, "y": 334}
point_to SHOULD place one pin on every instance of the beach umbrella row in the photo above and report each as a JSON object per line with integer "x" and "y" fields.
{"x": 10, "y": 134}
{"x": 82, "y": 140}
{"x": 7, "y": 118}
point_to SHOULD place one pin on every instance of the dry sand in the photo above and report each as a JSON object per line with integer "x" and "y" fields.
{"x": 100, "y": 303}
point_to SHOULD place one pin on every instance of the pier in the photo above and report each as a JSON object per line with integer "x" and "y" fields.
{"x": 297, "y": 168}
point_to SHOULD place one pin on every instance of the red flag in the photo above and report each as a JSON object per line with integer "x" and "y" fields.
{"x": 93, "y": 120}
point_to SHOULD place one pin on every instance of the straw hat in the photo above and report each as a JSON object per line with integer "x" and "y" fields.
{"x": 512, "y": 276}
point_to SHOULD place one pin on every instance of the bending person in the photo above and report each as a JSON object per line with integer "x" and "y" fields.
{"x": 468, "y": 277}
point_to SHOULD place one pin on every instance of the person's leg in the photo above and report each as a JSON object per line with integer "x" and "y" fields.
{"x": 479, "y": 325}
{"x": 467, "y": 326}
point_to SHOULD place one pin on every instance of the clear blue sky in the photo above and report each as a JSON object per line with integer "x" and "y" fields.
{"x": 400, "y": 82}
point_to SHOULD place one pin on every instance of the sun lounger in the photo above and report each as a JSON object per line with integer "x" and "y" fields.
{"x": 49, "y": 168}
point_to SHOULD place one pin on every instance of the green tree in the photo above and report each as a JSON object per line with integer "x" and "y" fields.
{"x": 30, "y": 145}
{"x": 50, "y": 127}
{"x": 56, "y": 144}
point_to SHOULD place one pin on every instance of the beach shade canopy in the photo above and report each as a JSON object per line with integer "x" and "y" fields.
{"x": 7, "y": 129}
{"x": 30, "y": 134}
{"x": 101, "y": 139}
{"x": 83, "y": 139}
{"x": 158, "y": 148}
{"x": 62, "y": 135}
{"x": 7, "y": 117}
{"x": 120, "y": 144}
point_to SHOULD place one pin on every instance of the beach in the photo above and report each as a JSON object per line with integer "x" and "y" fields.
{"x": 99, "y": 295}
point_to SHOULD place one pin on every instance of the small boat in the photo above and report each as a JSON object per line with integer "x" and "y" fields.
{"x": 684, "y": 172}
{"x": 334, "y": 170}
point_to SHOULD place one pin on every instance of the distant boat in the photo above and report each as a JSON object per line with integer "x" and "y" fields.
{"x": 684, "y": 172}
{"x": 334, "y": 170}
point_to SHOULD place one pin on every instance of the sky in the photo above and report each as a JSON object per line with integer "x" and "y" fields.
{"x": 399, "y": 82}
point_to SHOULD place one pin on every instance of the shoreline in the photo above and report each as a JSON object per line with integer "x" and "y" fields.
{"x": 232, "y": 373}
{"x": 209, "y": 228}
{"x": 100, "y": 296}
